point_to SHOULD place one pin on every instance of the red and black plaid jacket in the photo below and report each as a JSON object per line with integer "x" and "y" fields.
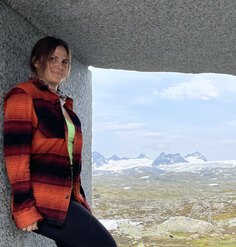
{"x": 36, "y": 154}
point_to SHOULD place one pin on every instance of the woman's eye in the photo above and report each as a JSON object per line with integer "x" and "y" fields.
{"x": 53, "y": 59}
{"x": 56, "y": 60}
{"x": 66, "y": 62}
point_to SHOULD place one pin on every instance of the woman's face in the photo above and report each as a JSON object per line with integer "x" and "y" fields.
{"x": 57, "y": 67}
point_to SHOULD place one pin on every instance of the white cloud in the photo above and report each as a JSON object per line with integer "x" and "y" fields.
{"x": 231, "y": 123}
{"x": 142, "y": 133}
{"x": 115, "y": 126}
{"x": 143, "y": 100}
{"x": 202, "y": 87}
{"x": 227, "y": 141}
{"x": 198, "y": 88}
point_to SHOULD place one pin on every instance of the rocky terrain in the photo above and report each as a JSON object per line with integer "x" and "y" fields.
{"x": 142, "y": 207}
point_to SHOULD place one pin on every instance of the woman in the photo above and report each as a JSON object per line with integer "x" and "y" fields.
{"x": 42, "y": 148}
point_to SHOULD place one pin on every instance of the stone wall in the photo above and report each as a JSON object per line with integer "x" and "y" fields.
{"x": 17, "y": 37}
{"x": 193, "y": 36}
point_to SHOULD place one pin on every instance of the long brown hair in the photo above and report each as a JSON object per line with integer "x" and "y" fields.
{"x": 43, "y": 49}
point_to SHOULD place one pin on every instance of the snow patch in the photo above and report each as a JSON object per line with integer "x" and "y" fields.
{"x": 197, "y": 167}
{"x": 126, "y": 188}
{"x": 114, "y": 224}
{"x": 120, "y": 165}
{"x": 213, "y": 184}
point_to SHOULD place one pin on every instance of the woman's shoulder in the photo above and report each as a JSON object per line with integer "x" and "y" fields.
{"x": 25, "y": 87}
{"x": 29, "y": 87}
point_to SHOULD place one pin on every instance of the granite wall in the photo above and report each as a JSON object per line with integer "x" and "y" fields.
{"x": 188, "y": 36}
{"x": 17, "y": 37}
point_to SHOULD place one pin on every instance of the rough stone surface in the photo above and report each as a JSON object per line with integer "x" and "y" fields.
{"x": 17, "y": 37}
{"x": 186, "y": 224}
{"x": 146, "y": 35}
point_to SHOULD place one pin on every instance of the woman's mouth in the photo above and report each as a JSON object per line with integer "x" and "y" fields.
{"x": 57, "y": 73}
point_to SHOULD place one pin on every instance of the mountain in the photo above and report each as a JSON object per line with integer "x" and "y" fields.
{"x": 98, "y": 159}
{"x": 212, "y": 169}
{"x": 115, "y": 158}
{"x": 126, "y": 166}
{"x": 142, "y": 156}
{"x": 168, "y": 159}
{"x": 124, "y": 158}
{"x": 195, "y": 157}
{"x": 164, "y": 164}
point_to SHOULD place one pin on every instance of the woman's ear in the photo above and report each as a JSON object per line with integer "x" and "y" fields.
{"x": 36, "y": 64}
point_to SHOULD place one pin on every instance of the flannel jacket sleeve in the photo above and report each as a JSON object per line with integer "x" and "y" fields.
{"x": 18, "y": 131}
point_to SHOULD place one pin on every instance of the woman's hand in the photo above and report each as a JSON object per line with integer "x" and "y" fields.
{"x": 31, "y": 227}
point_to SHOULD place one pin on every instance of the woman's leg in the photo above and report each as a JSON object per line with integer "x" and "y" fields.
{"x": 81, "y": 229}
{"x": 58, "y": 244}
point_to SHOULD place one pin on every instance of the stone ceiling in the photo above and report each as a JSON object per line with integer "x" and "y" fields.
{"x": 189, "y": 36}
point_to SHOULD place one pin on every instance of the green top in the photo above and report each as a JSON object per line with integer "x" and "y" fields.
{"x": 71, "y": 135}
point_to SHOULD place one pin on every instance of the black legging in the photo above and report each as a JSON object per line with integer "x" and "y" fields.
{"x": 81, "y": 229}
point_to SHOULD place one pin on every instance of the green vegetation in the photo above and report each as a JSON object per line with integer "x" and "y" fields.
{"x": 149, "y": 202}
{"x": 225, "y": 215}
{"x": 225, "y": 241}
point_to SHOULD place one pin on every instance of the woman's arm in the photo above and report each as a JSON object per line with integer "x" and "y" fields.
{"x": 18, "y": 132}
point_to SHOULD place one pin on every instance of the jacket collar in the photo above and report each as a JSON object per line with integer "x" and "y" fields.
{"x": 40, "y": 84}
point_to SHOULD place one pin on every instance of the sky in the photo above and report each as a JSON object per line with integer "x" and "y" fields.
{"x": 153, "y": 112}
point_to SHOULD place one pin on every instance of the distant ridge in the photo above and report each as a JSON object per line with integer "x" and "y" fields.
{"x": 142, "y": 156}
{"x": 195, "y": 157}
{"x": 168, "y": 159}
{"x": 162, "y": 159}
{"x": 143, "y": 166}
{"x": 98, "y": 159}
{"x": 115, "y": 158}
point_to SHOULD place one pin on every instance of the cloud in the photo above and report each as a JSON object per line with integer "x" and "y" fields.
{"x": 198, "y": 88}
{"x": 231, "y": 123}
{"x": 143, "y": 100}
{"x": 116, "y": 126}
{"x": 142, "y": 133}
{"x": 227, "y": 141}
